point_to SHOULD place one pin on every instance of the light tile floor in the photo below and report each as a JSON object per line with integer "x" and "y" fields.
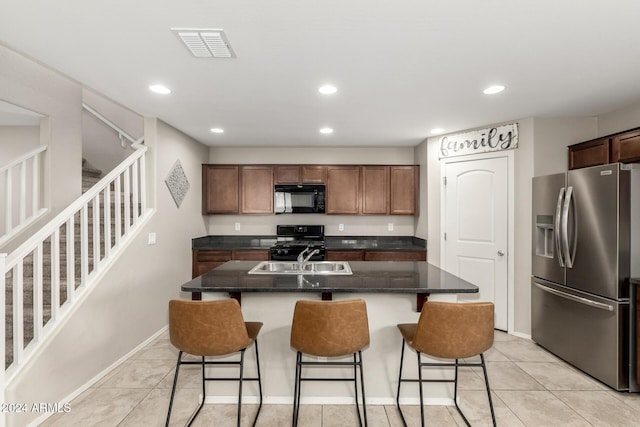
{"x": 530, "y": 387}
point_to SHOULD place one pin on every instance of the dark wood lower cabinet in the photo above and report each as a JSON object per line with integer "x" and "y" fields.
{"x": 348, "y": 255}
{"x": 367, "y": 255}
{"x": 395, "y": 255}
{"x": 204, "y": 260}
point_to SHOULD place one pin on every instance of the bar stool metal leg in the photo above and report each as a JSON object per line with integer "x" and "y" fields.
{"x": 173, "y": 389}
{"x": 296, "y": 391}
{"x": 259, "y": 383}
{"x": 486, "y": 382}
{"x": 420, "y": 388}
{"x": 364, "y": 400}
{"x": 404, "y": 422}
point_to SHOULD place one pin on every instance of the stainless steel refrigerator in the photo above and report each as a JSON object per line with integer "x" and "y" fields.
{"x": 585, "y": 248}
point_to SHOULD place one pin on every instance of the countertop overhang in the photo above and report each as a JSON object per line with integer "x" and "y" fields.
{"x": 368, "y": 276}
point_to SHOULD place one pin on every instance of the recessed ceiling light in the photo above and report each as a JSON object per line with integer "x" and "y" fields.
{"x": 217, "y": 130}
{"x": 161, "y": 89}
{"x": 327, "y": 89}
{"x": 437, "y": 131}
{"x": 493, "y": 89}
{"x": 326, "y": 130}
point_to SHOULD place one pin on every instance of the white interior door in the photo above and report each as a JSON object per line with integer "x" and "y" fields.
{"x": 476, "y": 229}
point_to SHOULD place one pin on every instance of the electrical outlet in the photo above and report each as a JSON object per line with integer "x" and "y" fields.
{"x": 390, "y": 226}
{"x": 340, "y": 227}
{"x": 152, "y": 238}
{"x": 237, "y": 226}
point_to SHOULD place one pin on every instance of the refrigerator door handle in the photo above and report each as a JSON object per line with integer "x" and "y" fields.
{"x": 575, "y": 298}
{"x": 568, "y": 256}
{"x": 556, "y": 229}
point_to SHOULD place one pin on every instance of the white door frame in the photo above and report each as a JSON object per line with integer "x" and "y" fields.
{"x": 509, "y": 154}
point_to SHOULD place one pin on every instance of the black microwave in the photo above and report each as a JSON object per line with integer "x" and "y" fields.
{"x": 303, "y": 198}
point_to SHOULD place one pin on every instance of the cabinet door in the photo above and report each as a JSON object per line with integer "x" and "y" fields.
{"x": 395, "y": 256}
{"x": 220, "y": 189}
{"x": 590, "y": 153}
{"x": 343, "y": 190}
{"x": 626, "y": 147}
{"x": 313, "y": 174}
{"x": 250, "y": 254}
{"x": 204, "y": 260}
{"x": 287, "y": 174}
{"x": 404, "y": 190}
{"x": 346, "y": 255}
{"x": 257, "y": 189}
{"x": 375, "y": 190}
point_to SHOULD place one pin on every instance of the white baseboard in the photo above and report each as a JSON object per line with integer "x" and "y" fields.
{"x": 521, "y": 335}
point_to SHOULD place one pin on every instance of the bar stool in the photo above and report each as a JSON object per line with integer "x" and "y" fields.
{"x": 212, "y": 328}
{"x": 329, "y": 329}
{"x": 449, "y": 331}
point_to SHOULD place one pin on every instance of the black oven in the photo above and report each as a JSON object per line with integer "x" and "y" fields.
{"x": 293, "y": 239}
{"x": 298, "y": 199}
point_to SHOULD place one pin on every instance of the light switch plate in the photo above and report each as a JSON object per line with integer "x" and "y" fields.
{"x": 237, "y": 226}
{"x": 152, "y": 238}
{"x": 390, "y": 226}
{"x": 340, "y": 227}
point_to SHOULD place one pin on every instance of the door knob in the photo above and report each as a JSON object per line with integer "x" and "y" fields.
{"x": 500, "y": 253}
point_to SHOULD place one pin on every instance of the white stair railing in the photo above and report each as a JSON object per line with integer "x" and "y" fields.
{"x": 104, "y": 218}
{"x": 27, "y": 189}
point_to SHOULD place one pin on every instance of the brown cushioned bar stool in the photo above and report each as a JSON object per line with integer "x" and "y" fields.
{"x": 212, "y": 328}
{"x": 330, "y": 329}
{"x": 449, "y": 331}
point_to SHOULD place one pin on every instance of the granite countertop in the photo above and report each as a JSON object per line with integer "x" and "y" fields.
{"x": 233, "y": 242}
{"x": 395, "y": 243}
{"x": 368, "y": 276}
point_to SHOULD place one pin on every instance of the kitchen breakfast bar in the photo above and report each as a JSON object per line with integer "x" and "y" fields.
{"x": 394, "y": 293}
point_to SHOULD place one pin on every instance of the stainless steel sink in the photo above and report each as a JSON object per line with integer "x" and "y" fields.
{"x": 311, "y": 267}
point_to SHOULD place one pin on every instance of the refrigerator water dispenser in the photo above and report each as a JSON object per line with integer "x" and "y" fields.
{"x": 544, "y": 236}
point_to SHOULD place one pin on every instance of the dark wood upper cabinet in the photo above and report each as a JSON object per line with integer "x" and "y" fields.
{"x": 626, "y": 147}
{"x": 256, "y": 189}
{"x": 375, "y": 190}
{"x": 343, "y": 190}
{"x": 305, "y": 174}
{"x": 287, "y": 174}
{"x": 404, "y": 190}
{"x": 220, "y": 189}
{"x": 621, "y": 147}
{"x": 313, "y": 174}
{"x": 590, "y": 153}
{"x": 350, "y": 189}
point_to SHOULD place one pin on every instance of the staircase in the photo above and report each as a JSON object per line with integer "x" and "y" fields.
{"x": 90, "y": 177}
{"x": 53, "y": 270}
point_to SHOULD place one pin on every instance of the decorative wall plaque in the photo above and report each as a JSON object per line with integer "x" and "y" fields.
{"x": 177, "y": 183}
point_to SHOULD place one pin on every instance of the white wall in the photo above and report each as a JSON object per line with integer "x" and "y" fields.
{"x": 542, "y": 149}
{"x": 32, "y": 86}
{"x": 553, "y": 135}
{"x": 353, "y": 225}
{"x": 100, "y": 143}
{"x": 130, "y": 303}
{"x": 619, "y": 120}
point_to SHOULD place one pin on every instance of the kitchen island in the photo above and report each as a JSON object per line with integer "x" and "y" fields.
{"x": 389, "y": 290}
{"x": 418, "y": 278}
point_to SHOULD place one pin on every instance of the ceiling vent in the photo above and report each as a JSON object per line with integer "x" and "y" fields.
{"x": 205, "y": 43}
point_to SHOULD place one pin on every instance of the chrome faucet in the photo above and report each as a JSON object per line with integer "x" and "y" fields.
{"x": 302, "y": 260}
